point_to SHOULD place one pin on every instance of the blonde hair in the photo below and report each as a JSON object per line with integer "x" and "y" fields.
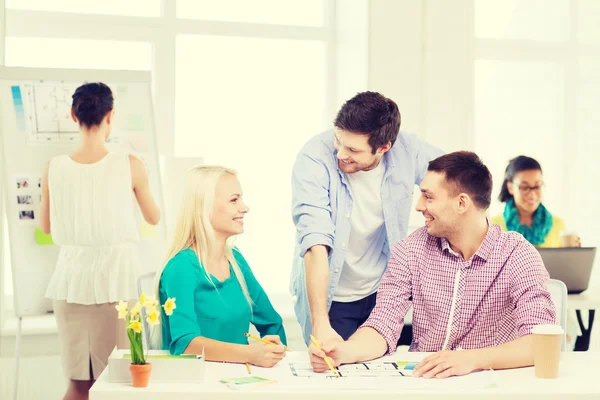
{"x": 194, "y": 229}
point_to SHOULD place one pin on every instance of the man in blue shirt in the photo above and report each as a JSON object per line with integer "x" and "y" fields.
{"x": 352, "y": 193}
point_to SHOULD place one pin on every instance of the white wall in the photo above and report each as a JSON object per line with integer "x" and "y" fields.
{"x": 418, "y": 57}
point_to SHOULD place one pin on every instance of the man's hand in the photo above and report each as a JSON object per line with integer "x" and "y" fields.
{"x": 444, "y": 364}
{"x": 329, "y": 340}
{"x": 334, "y": 352}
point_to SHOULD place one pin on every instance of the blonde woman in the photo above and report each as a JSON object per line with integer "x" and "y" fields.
{"x": 89, "y": 205}
{"x": 217, "y": 295}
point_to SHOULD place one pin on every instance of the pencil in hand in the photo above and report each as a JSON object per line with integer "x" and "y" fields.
{"x": 312, "y": 338}
{"x": 248, "y": 368}
{"x": 261, "y": 340}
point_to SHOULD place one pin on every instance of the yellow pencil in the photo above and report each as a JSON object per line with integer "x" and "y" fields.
{"x": 325, "y": 358}
{"x": 248, "y": 368}
{"x": 265, "y": 384}
{"x": 260, "y": 339}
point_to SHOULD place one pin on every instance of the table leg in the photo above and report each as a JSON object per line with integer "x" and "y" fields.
{"x": 583, "y": 341}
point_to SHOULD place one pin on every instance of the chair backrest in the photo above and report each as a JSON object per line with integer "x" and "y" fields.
{"x": 558, "y": 292}
{"x": 145, "y": 283}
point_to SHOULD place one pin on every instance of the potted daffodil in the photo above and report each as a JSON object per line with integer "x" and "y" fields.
{"x": 139, "y": 368}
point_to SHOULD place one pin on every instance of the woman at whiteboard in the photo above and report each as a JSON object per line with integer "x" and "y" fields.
{"x": 88, "y": 203}
{"x": 217, "y": 294}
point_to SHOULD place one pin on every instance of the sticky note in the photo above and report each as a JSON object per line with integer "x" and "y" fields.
{"x": 244, "y": 380}
{"x": 42, "y": 238}
{"x": 147, "y": 231}
{"x": 406, "y": 364}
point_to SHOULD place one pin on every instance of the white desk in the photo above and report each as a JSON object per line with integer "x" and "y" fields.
{"x": 578, "y": 380}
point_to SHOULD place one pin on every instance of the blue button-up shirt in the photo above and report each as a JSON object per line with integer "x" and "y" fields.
{"x": 322, "y": 206}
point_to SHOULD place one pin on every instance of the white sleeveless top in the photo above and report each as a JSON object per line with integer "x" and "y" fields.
{"x": 93, "y": 220}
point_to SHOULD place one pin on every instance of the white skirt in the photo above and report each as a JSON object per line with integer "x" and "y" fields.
{"x": 95, "y": 274}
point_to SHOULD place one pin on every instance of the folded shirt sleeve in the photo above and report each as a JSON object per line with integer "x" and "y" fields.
{"x": 531, "y": 299}
{"x": 311, "y": 210}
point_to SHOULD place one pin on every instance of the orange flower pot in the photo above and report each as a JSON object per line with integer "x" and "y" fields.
{"x": 140, "y": 374}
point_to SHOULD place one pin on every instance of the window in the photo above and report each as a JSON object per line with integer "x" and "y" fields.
{"x": 250, "y": 104}
{"x": 524, "y": 20}
{"x": 78, "y": 53}
{"x": 520, "y": 109}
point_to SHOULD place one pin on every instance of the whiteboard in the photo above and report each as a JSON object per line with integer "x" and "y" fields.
{"x": 35, "y": 126}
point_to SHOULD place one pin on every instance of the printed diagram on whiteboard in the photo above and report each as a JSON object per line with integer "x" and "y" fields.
{"x": 43, "y": 111}
{"x": 370, "y": 370}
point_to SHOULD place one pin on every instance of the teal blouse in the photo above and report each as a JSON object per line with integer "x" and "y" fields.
{"x": 221, "y": 314}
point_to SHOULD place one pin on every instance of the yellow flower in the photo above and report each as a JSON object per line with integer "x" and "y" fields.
{"x": 169, "y": 306}
{"x": 152, "y": 318}
{"x": 136, "y": 309}
{"x": 122, "y": 309}
{"x": 148, "y": 301}
{"x": 150, "y": 304}
{"x": 136, "y": 326}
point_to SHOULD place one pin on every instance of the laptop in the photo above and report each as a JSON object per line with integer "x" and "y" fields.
{"x": 572, "y": 265}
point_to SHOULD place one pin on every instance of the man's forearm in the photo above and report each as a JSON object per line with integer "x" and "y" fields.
{"x": 316, "y": 266}
{"x": 515, "y": 354}
{"x": 366, "y": 344}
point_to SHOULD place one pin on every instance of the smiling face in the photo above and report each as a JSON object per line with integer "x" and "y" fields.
{"x": 354, "y": 152}
{"x": 438, "y": 205}
{"x": 526, "y": 188}
{"x": 227, "y": 217}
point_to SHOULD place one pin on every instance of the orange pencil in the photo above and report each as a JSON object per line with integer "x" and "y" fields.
{"x": 248, "y": 368}
{"x": 261, "y": 340}
{"x": 325, "y": 358}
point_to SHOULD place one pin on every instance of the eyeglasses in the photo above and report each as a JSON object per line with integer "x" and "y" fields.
{"x": 528, "y": 189}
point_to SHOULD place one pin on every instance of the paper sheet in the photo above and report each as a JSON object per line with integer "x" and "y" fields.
{"x": 358, "y": 370}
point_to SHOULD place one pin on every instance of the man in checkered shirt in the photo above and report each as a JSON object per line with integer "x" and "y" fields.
{"x": 472, "y": 286}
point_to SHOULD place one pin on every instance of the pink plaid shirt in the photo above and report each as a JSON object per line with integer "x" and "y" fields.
{"x": 495, "y": 297}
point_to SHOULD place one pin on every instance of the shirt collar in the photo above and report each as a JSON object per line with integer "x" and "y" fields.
{"x": 485, "y": 249}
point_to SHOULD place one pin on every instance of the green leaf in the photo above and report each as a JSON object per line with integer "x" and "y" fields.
{"x": 135, "y": 358}
{"x": 140, "y": 344}
{"x": 137, "y": 348}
